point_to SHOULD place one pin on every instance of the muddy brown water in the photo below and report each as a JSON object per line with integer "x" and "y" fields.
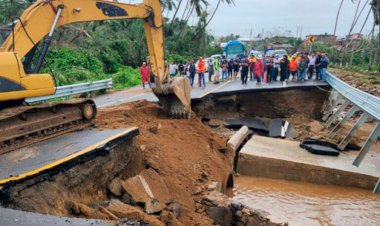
{"x": 308, "y": 204}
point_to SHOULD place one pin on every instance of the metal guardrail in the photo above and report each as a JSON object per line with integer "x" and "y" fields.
{"x": 65, "y": 91}
{"x": 365, "y": 101}
{"x": 345, "y": 96}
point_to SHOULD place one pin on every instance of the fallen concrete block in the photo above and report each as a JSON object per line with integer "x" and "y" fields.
{"x": 147, "y": 188}
{"x": 320, "y": 147}
{"x": 237, "y": 139}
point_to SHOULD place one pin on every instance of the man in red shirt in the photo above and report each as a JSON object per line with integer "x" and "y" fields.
{"x": 201, "y": 72}
{"x": 145, "y": 75}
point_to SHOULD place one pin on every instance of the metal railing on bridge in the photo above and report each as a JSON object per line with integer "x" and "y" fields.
{"x": 70, "y": 90}
{"x": 359, "y": 103}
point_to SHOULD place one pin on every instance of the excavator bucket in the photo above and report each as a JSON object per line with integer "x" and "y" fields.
{"x": 176, "y": 99}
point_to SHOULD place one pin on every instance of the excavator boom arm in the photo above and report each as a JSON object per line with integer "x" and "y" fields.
{"x": 41, "y": 19}
{"x": 37, "y": 21}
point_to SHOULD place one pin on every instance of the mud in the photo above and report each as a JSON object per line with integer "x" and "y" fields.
{"x": 307, "y": 204}
{"x": 173, "y": 162}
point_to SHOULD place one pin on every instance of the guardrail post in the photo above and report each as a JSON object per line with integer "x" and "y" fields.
{"x": 331, "y": 107}
{"x": 347, "y": 117}
{"x": 368, "y": 144}
{"x": 377, "y": 187}
{"x": 336, "y": 114}
{"x": 353, "y": 131}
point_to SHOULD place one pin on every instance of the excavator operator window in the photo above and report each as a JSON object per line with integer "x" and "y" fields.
{"x": 5, "y": 31}
{"x": 111, "y": 10}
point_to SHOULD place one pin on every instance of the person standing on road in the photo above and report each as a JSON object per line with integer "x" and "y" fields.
{"x": 284, "y": 66}
{"x": 145, "y": 75}
{"x": 317, "y": 68}
{"x": 302, "y": 69}
{"x": 224, "y": 69}
{"x": 311, "y": 66}
{"x": 216, "y": 70}
{"x": 293, "y": 67}
{"x": 181, "y": 68}
{"x": 210, "y": 69}
{"x": 201, "y": 72}
{"x": 252, "y": 61}
{"x": 323, "y": 66}
{"x": 192, "y": 71}
{"x": 244, "y": 70}
{"x": 172, "y": 69}
{"x": 307, "y": 60}
{"x": 269, "y": 70}
{"x": 230, "y": 68}
{"x": 236, "y": 67}
{"x": 259, "y": 70}
{"x": 276, "y": 68}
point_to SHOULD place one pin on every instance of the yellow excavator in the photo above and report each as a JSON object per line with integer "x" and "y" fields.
{"x": 22, "y": 54}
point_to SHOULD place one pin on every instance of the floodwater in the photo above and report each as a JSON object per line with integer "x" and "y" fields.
{"x": 307, "y": 204}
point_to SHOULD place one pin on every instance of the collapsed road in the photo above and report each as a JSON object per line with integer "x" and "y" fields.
{"x": 173, "y": 172}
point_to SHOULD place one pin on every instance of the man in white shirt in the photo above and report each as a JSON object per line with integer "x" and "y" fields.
{"x": 173, "y": 69}
{"x": 311, "y": 66}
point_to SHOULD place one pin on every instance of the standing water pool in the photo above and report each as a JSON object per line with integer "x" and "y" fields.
{"x": 308, "y": 204}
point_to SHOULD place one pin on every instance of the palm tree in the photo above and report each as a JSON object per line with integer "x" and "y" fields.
{"x": 229, "y": 2}
{"x": 337, "y": 16}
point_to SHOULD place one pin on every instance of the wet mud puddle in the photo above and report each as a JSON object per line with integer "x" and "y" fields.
{"x": 308, "y": 204}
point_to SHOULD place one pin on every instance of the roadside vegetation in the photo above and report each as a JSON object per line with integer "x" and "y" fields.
{"x": 100, "y": 50}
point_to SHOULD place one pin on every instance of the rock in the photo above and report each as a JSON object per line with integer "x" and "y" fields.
{"x": 175, "y": 208}
{"x": 316, "y": 127}
{"x": 153, "y": 206}
{"x": 204, "y": 175}
{"x": 198, "y": 190}
{"x": 82, "y": 209}
{"x": 131, "y": 212}
{"x": 214, "y": 123}
{"x": 155, "y": 129}
{"x": 115, "y": 187}
{"x": 214, "y": 186}
{"x": 169, "y": 218}
{"x": 220, "y": 214}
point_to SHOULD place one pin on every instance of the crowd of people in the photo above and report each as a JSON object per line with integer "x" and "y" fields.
{"x": 296, "y": 68}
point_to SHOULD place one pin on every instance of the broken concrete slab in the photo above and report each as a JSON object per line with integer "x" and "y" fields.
{"x": 276, "y": 128}
{"x": 149, "y": 189}
{"x": 284, "y": 159}
{"x": 254, "y": 124}
{"x": 320, "y": 147}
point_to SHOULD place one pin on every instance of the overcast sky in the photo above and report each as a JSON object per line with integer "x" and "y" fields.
{"x": 278, "y": 16}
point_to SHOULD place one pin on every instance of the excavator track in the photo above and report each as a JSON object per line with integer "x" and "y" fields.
{"x": 25, "y": 125}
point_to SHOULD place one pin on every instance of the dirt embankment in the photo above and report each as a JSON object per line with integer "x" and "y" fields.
{"x": 367, "y": 83}
{"x": 186, "y": 153}
{"x": 158, "y": 179}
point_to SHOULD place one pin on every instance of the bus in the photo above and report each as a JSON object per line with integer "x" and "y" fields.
{"x": 234, "y": 49}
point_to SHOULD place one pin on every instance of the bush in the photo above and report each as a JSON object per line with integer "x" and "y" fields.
{"x": 72, "y": 66}
{"x": 126, "y": 77}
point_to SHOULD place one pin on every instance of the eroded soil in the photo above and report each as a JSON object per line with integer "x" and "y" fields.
{"x": 178, "y": 158}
